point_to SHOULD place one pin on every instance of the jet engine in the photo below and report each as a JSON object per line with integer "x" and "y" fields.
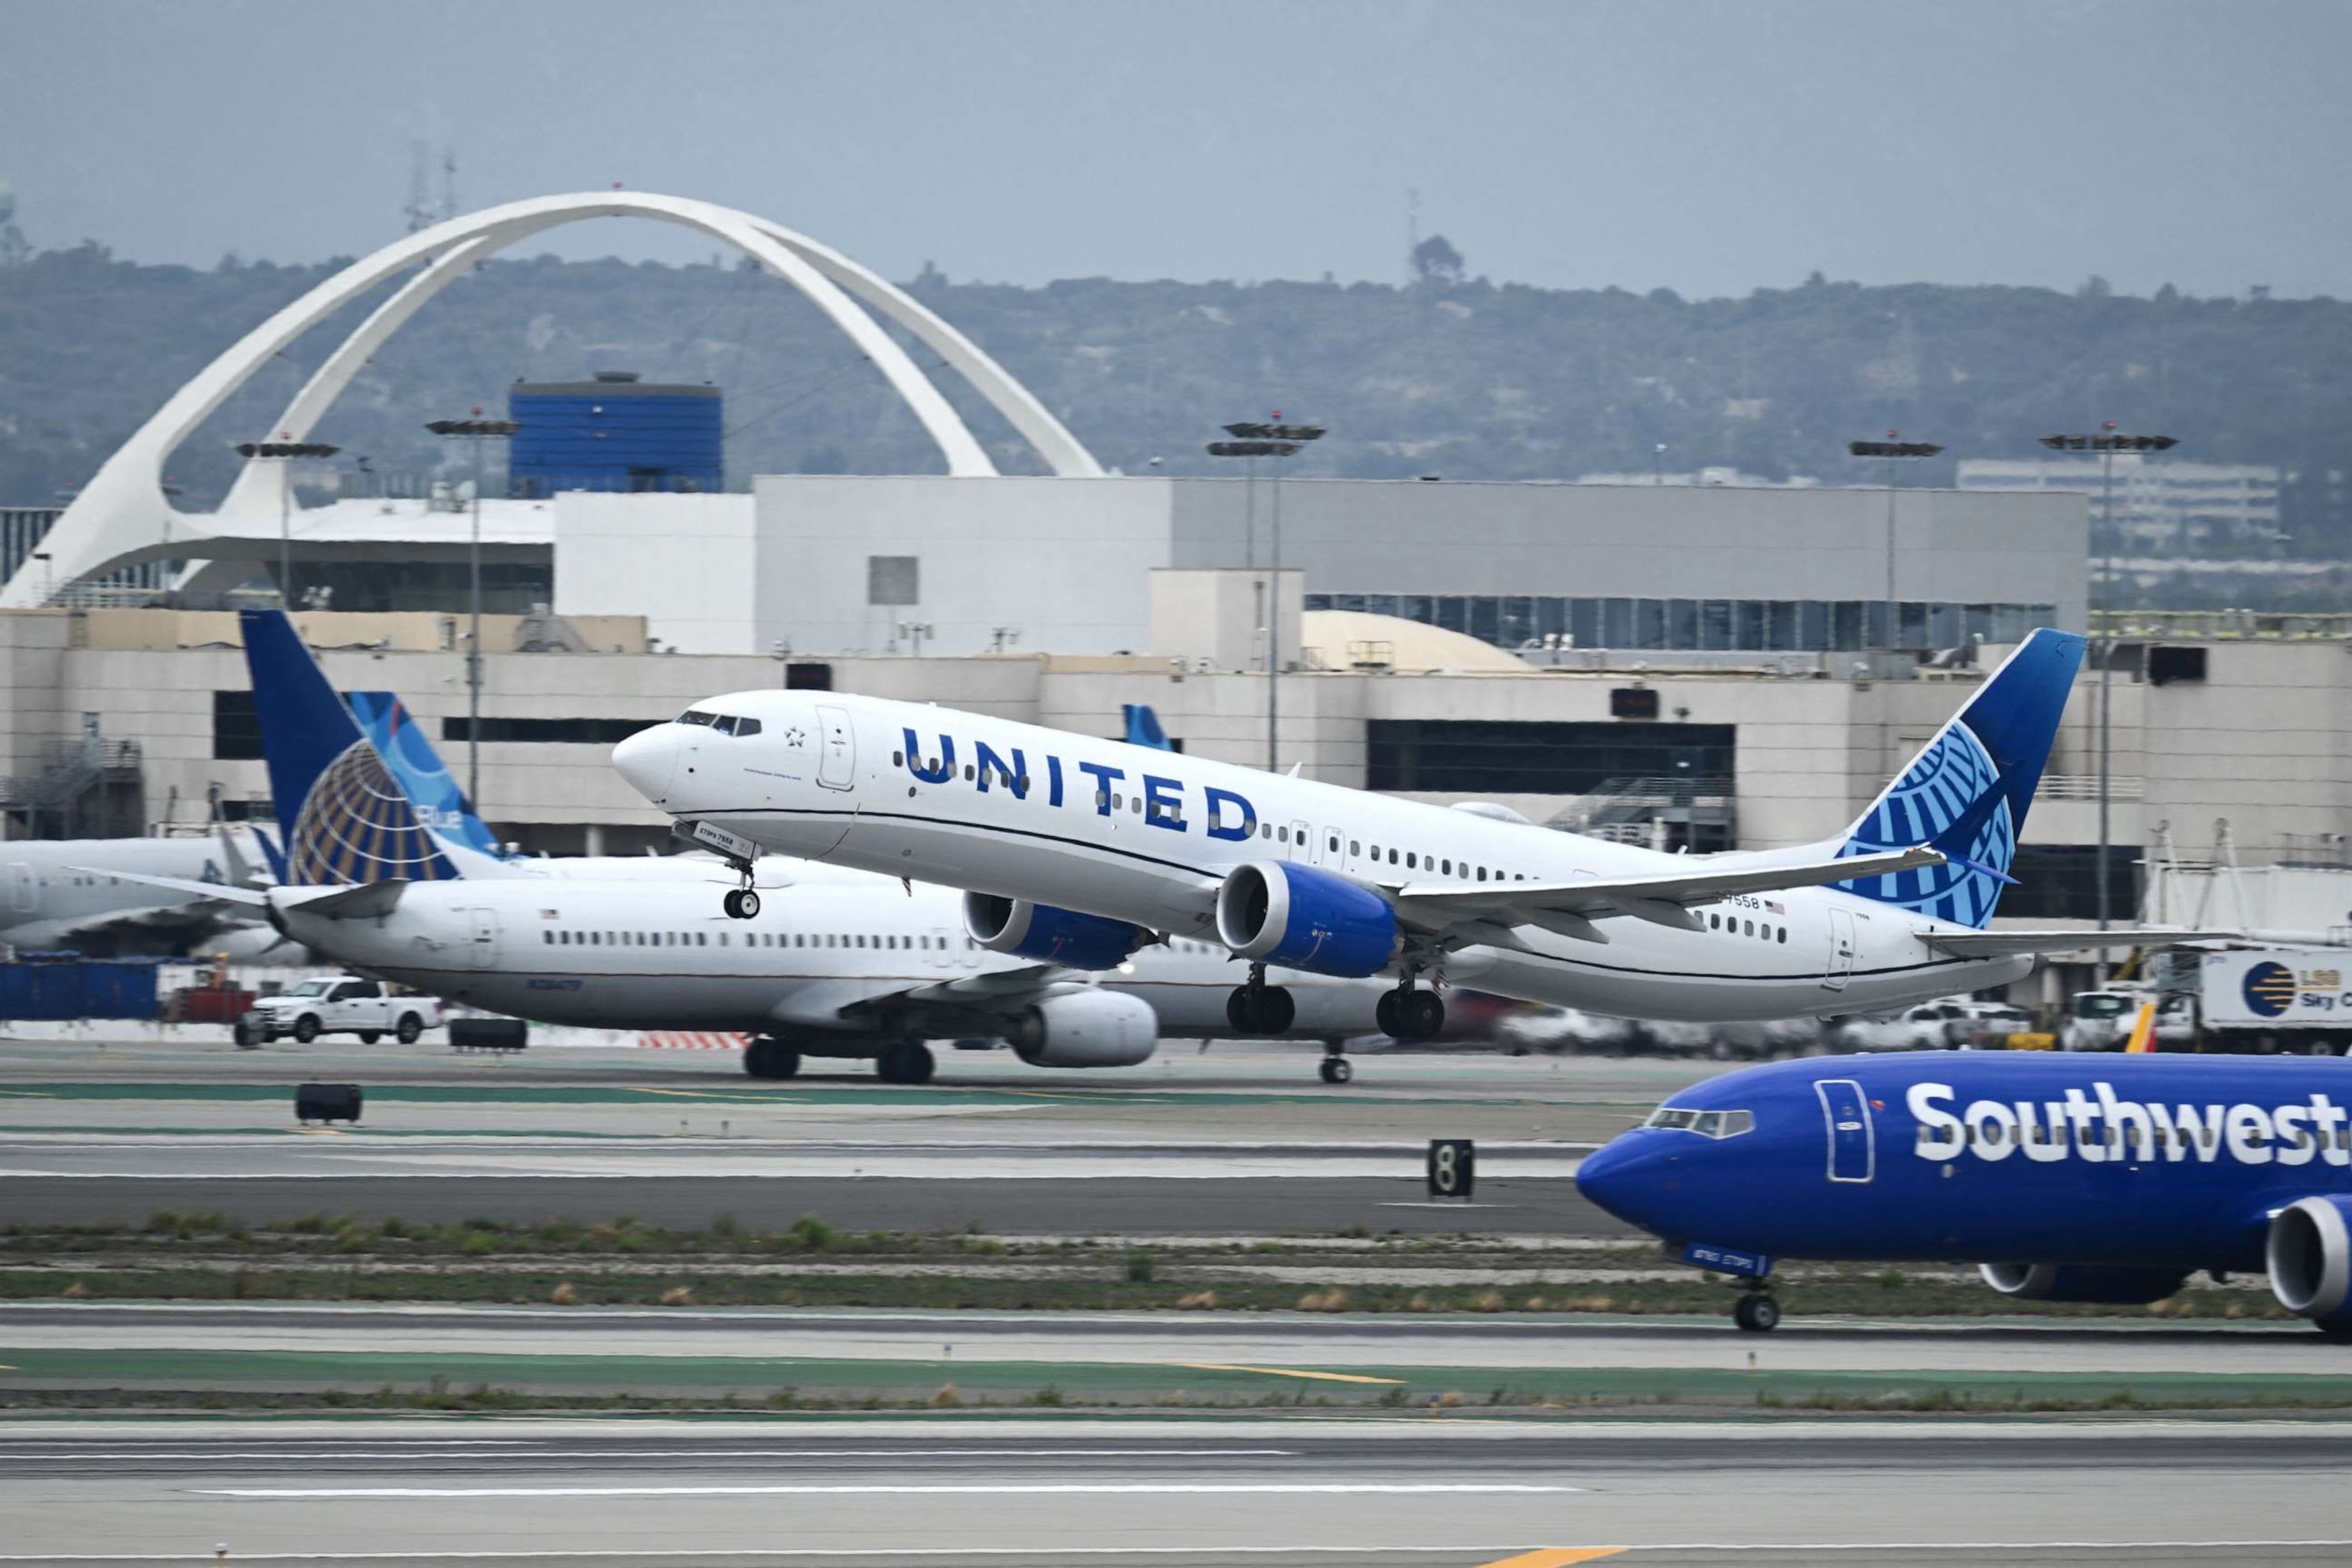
{"x": 1087, "y": 1029}
{"x": 1049, "y": 935}
{"x": 1302, "y": 918}
{"x": 2309, "y": 1255}
{"x": 2083, "y": 1283}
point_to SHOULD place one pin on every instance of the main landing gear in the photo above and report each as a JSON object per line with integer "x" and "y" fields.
{"x": 1409, "y": 1013}
{"x": 770, "y": 1058}
{"x": 1259, "y": 1010}
{"x": 1755, "y": 1312}
{"x": 904, "y": 1061}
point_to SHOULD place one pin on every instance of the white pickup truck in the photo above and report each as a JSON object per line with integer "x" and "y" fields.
{"x": 339, "y": 1005}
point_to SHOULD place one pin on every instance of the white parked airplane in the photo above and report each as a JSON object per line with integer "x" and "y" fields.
{"x": 68, "y": 893}
{"x": 1100, "y": 844}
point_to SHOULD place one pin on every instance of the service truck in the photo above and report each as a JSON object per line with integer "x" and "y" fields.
{"x": 2247, "y": 1001}
{"x": 338, "y": 1005}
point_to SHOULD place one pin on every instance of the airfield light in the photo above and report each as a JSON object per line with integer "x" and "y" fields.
{"x": 286, "y": 451}
{"x": 475, "y": 429}
{"x": 1252, "y": 440}
{"x": 1895, "y": 452}
{"x": 2106, "y": 442}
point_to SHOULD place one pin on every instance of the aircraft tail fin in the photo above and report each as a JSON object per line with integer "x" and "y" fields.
{"x": 408, "y": 754}
{"x": 1143, "y": 727}
{"x": 1967, "y": 792}
{"x": 2143, "y": 1035}
{"x": 344, "y": 819}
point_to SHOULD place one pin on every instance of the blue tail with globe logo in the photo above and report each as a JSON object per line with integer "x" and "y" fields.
{"x": 1967, "y": 792}
{"x": 346, "y": 818}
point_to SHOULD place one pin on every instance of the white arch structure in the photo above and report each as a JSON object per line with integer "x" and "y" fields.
{"x": 123, "y": 518}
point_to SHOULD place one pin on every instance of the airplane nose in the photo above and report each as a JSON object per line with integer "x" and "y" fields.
{"x": 1622, "y": 1177}
{"x": 646, "y": 760}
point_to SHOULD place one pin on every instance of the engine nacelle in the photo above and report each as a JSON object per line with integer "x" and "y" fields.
{"x": 1049, "y": 935}
{"x": 2084, "y": 1283}
{"x": 1087, "y": 1029}
{"x": 1302, "y": 918}
{"x": 2309, "y": 1255}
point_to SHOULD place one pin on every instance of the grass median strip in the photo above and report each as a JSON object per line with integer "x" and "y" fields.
{"x": 511, "y": 1381}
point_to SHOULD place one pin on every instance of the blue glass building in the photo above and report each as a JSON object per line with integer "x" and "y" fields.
{"x": 616, "y": 433}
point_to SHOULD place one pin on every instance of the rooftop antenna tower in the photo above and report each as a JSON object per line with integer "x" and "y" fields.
{"x": 1412, "y": 231}
{"x": 13, "y": 249}
{"x": 449, "y": 183}
{"x": 419, "y": 210}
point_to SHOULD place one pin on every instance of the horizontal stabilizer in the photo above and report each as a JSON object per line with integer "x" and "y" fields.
{"x": 1642, "y": 896}
{"x": 2003, "y": 944}
{"x": 217, "y": 890}
{"x": 363, "y": 902}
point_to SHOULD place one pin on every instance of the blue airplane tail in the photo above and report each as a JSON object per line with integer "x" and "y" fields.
{"x": 1143, "y": 727}
{"x": 344, "y": 819}
{"x": 1967, "y": 792}
{"x": 407, "y": 752}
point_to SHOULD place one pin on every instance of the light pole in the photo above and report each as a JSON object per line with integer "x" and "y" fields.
{"x": 477, "y": 430}
{"x": 1897, "y": 452}
{"x": 286, "y": 451}
{"x": 2108, "y": 442}
{"x": 1253, "y": 440}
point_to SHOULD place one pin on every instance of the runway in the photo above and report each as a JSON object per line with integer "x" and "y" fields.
{"x": 1175, "y": 1495}
{"x": 1224, "y": 1144}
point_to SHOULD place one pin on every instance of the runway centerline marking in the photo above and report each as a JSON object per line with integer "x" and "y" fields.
{"x": 1283, "y": 1372}
{"x": 990, "y": 1489}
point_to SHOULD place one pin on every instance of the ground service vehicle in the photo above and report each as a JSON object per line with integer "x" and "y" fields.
{"x": 338, "y": 1005}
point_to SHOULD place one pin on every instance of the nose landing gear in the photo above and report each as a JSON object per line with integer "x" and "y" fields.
{"x": 1755, "y": 1312}
{"x": 1335, "y": 1067}
{"x": 1258, "y": 1009}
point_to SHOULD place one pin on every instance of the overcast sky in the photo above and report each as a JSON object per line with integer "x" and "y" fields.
{"x": 1707, "y": 148}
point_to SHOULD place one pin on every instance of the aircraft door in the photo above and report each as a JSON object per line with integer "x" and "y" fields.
{"x": 1853, "y": 1144}
{"x": 482, "y": 952}
{"x": 1841, "y": 967}
{"x": 1298, "y": 848}
{"x": 23, "y": 891}
{"x": 836, "y": 765}
{"x": 943, "y": 944}
{"x": 1326, "y": 848}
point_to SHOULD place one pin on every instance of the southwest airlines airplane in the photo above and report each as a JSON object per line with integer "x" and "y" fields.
{"x": 1094, "y": 849}
{"x": 385, "y": 868}
{"x": 2066, "y": 1178}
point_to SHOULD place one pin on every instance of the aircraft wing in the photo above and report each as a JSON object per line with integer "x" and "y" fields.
{"x": 978, "y": 1002}
{"x": 2000, "y": 943}
{"x": 1664, "y": 898}
{"x": 220, "y": 892}
{"x": 364, "y": 901}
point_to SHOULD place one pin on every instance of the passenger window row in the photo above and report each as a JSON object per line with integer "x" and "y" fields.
{"x": 1738, "y": 927}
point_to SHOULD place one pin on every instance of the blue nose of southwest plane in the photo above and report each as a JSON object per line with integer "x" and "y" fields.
{"x": 647, "y": 759}
{"x": 1632, "y": 1177}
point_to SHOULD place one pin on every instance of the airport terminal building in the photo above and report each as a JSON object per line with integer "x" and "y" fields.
{"x": 1702, "y": 667}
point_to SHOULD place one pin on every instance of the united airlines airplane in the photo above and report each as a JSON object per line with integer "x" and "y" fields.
{"x": 386, "y": 869}
{"x": 2065, "y": 1178}
{"x": 1111, "y": 846}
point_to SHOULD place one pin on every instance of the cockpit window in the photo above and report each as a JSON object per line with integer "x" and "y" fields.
{"x": 1705, "y": 1123}
{"x": 725, "y": 723}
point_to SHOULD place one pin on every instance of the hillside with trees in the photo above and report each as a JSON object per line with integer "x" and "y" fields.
{"x": 1453, "y": 375}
